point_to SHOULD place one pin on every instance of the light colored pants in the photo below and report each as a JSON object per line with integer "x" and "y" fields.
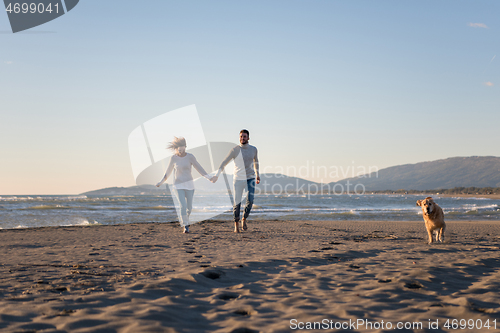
{"x": 186, "y": 201}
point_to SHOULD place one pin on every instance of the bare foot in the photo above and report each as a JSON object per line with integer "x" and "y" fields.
{"x": 244, "y": 224}
{"x": 236, "y": 229}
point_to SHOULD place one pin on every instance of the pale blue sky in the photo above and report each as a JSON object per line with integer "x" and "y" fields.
{"x": 340, "y": 83}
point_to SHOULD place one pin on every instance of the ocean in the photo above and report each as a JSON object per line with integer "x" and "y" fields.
{"x": 81, "y": 210}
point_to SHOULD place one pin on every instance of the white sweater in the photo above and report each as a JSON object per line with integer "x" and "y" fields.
{"x": 183, "y": 180}
{"x": 246, "y": 162}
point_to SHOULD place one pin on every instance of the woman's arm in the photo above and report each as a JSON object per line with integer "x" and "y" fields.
{"x": 199, "y": 168}
{"x": 170, "y": 168}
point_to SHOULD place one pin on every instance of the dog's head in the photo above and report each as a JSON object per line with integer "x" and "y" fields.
{"x": 427, "y": 205}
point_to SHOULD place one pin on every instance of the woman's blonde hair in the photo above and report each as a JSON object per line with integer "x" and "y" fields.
{"x": 176, "y": 143}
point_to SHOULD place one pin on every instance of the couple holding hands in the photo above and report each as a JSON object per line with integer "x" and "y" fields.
{"x": 246, "y": 176}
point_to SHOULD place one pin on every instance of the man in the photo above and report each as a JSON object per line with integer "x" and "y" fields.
{"x": 246, "y": 174}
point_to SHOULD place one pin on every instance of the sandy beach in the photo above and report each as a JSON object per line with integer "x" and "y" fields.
{"x": 276, "y": 277}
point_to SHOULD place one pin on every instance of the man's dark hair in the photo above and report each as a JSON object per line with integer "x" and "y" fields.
{"x": 245, "y": 131}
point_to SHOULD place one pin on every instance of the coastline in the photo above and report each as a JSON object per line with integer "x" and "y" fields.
{"x": 151, "y": 277}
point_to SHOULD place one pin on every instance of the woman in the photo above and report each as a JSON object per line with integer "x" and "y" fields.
{"x": 182, "y": 162}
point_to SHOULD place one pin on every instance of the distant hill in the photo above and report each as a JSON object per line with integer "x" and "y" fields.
{"x": 277, "y": 183}
{"x": 475, "y": 171}
{"x": 132, "y": 190}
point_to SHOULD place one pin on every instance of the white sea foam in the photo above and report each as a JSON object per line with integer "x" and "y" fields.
{"x": 42, "y": 207}
{"x": 81, "y": 222}
{"x": 69, "y": 198}
{"x": 43, "y": 198}
{"x": 476, "y": 207}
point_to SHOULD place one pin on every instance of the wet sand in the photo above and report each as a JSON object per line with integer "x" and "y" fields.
{"x": 275, "y": 277}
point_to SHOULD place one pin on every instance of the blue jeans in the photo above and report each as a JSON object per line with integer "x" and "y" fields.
{"x": 239, "y": 187}
{"x": 186, "y": 201}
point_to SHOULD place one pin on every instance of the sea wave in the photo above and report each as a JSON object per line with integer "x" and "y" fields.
{"x": 474, "y": 206}
{"x": 159, "y": 207}
{"x": 468, "y": 198}
{"x": 351, "y": 212}
{"x": 44, "y": 207}
{"x": 81, "y": 222}
{"x": 16, "y": 198}
{"x": 43, "y": 198}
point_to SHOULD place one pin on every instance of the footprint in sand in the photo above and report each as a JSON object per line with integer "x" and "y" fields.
{"x": 228, "y": 296}
{"x": 212, "y": 274}
{"x": 413, "y": 285}
{"x": 242, "y": 312}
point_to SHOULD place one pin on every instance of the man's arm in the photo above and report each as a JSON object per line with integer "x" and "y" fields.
{"x": 256, "y": 166}
{"x": 223, "y": 164}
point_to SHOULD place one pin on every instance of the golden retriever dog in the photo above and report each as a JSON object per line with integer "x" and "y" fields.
{"x": 433, "y": 217}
